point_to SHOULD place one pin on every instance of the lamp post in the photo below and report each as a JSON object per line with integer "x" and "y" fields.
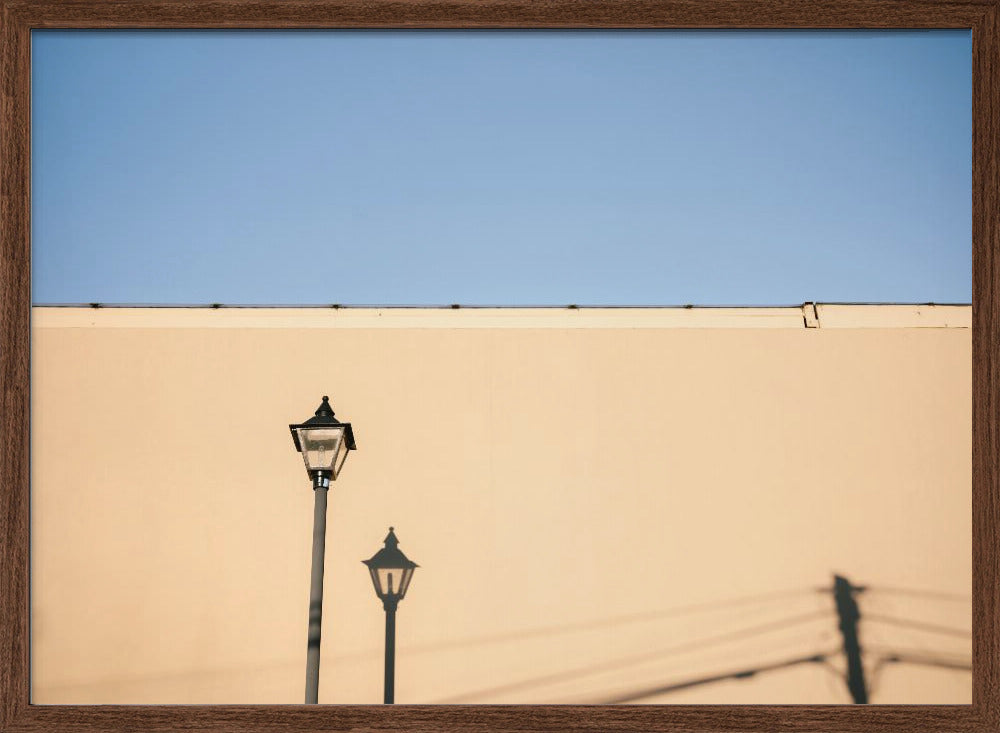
{"x": 391, "y": 571}
{"x": 324, "y": 443}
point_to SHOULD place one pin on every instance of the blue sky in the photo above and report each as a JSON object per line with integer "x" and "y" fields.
{"x": 504, "y": 168}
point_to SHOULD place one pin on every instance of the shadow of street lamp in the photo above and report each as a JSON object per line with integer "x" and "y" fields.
{"x": 391, "y": 571}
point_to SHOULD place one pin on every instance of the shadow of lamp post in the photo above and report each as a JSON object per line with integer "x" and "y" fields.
{"x": 391, "y": 571}
{"x": 324, "y": 443}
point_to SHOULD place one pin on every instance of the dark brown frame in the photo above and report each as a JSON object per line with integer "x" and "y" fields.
{"x": 19, "y": 17}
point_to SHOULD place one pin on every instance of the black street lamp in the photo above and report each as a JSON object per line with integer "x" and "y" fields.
{"x": 391, "y": 571}
{"x": 324, "y": 443}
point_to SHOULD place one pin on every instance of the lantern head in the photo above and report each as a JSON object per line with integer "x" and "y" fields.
{"x": 391, "y": 570}
{"x": 323, "y": 441}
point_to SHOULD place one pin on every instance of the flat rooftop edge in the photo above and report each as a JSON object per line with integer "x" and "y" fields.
{"x": 807, "y": 315}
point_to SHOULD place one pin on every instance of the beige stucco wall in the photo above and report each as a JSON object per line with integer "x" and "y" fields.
{"x": 566, "y": 479}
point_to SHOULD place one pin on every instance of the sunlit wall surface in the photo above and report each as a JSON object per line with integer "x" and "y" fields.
{"x": 602, "y": 502}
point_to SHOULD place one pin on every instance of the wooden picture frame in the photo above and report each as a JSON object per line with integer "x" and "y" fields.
{"x": 19, "y": 17}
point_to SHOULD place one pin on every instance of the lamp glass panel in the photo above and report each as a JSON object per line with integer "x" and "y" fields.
{"x": 321, "y": 447}
{"x": 405, "y": 582}
{"x": 393, "y": 581}
{"x": 342, "y": 451}
{"x": 376, "y": 581}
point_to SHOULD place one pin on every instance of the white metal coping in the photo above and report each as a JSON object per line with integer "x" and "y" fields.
{"x": 808, "y": 315}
